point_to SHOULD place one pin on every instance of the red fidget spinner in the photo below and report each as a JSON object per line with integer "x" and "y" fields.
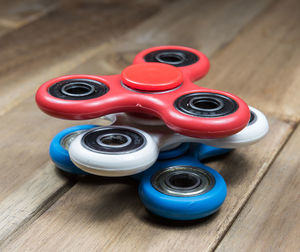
{"x": 158, "y": 83}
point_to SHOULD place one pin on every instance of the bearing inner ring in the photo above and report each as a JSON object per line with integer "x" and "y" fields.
{"x": 208, "y": 104}
{"x": 78, "y": 89}
{"x": 171, "y": 58}
{"x": 114, "y": 140}
{"x": 179, "y": 180}
{"x": 177, "y": 58}
{"x": 183, "y": 181}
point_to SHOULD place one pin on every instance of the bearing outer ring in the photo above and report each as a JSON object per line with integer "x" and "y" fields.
{"x": 204, "y": 181}
{"x": 94, "y": 89}
{"x": 187, "y": 58}
{"x": 90, "y": 140}
{"x": 224, "y": 105}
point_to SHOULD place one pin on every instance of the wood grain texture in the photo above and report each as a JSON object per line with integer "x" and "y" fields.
{"x": 28, "y": 177}
{"x": 16, "y": 13}
{"x": 203, "y": 25}
{"x": 25, "y": 203}
{"x": 26, "y": 133}
{"x": 109, "y": 216}
{"x": 262, "y": 64}
{"x": 3, "y": 30}
{"x": 270, "y": 220}
{"x": 61, "y": 40}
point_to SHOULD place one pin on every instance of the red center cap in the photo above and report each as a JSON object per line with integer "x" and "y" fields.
{"x": 152, "y": 77}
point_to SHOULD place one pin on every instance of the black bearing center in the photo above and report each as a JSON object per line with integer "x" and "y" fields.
{"x": 252, "y": 118}
{"x": 183, "y": 180}
{"x": 114, "y": 140}
{"x": 177, "y": 58}
{"x": 172, "y": 58}
{"x": 77, "y": 89}
{"x": 206, "y": 104}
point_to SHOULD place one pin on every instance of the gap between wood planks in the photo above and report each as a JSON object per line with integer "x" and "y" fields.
{"x": 22, "y": 209}
{"x": 265, "y": 68}
{"x": 295, "y": 126}
{"x": 270, "y": 221}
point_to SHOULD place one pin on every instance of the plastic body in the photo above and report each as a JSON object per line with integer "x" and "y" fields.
{"x": 144, "y": 87}
{"x": 114, "y": 164}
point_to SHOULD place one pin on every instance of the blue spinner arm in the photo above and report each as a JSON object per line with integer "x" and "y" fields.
{"x": 59, "y": 148}
{"x": 203, "y": 151}
{"x": 182, "y": 188}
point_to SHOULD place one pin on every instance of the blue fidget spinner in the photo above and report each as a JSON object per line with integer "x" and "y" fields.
{"x": 178, "y": 186}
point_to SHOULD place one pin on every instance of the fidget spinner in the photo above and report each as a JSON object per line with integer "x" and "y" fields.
{"x": 161, "y": 127}
{"x": 158, "y": 83}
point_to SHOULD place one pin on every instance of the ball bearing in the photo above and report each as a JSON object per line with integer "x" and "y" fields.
{"x": 183, "y": 181}
{"x": 78, "y": 89}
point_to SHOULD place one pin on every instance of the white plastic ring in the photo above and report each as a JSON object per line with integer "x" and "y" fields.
{"x": 252, "y": 133}
{"x": 114, "y": 164}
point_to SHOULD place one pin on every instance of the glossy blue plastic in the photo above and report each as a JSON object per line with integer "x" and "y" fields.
{"x": 189, "y": 207}
{"x": 60, "y": 156}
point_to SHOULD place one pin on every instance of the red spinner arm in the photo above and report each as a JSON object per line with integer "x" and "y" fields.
{"x": 153, "y": 88}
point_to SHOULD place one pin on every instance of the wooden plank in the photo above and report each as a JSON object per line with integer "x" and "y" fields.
{"x": 105, "y": 216}
{"x": 24, "y": 204}
{"x": 3, "y": 30}
{"x": 270, "y": 221}
{"x": 204, "y": 25}
{"x": 28, "y": 177}
{"x": 25, "y": 137}
{"x": 16, "y": 13}
{"x": 61, "y": 40}
{"x": 262, "y": 64}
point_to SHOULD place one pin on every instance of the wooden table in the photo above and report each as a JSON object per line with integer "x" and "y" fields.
{"x": 254, "y": 48}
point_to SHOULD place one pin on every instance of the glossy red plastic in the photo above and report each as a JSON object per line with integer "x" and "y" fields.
{"x": 152, "y": 77}
{"x": 192, "y": 72}
{"x": 136, "y": 90}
